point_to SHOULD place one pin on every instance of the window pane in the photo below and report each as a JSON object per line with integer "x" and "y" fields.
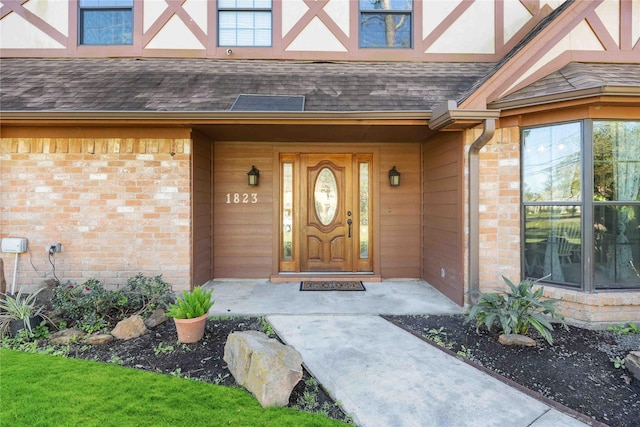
{"x": 106, "y": 27}
{"x": 364, "y": 210}
{"x": 244, "y": 4}
{"x": 287, "y": 211}
{"x": 553, "y": 244}
{"x": 551, "y": 163}
{"x": 385, "y": 30}
{"x": 106, "y": 3}
{"x": 244, "y": 28}
{"x": 386, "y": 4}
{"x": 616, "y": 247}
{"x": 616, "y": 161}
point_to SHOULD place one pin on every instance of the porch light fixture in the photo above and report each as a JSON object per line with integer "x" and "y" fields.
{"x": 394, "y": 177}
{"x": 253, "y": 176}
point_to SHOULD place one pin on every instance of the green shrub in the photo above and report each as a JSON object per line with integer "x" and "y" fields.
{"x": 192, "y": 304}
{"x": 515, "y": 310}
{"x": 91, "y": 307}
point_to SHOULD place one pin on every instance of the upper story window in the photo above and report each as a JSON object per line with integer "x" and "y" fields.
{"x": 106, "y": 22}
{"x": 386, "y": 23}
{"x": 244, "y": 23}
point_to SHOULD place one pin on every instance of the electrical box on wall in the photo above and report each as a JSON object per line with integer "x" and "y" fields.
{"x": 16, "y": 245}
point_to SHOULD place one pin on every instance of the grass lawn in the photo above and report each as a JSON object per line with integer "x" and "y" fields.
{"x": 44, "y": 390}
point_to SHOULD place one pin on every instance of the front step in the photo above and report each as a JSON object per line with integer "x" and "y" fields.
{"x": 318, "y": 277}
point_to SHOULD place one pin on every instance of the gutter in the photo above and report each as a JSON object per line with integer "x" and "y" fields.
{"x": 214, "y": 117}
{"x": 599, "y": 91}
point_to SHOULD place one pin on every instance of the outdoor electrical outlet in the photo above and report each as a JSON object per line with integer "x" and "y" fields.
{"x": 55, "y": 247}
{"x": 442, "y": 273}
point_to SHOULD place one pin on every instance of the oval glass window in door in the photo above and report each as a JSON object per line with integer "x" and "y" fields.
{"x": 326, "y": 196}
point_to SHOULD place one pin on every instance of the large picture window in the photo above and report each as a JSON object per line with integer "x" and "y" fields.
{"x": 386, "y": 23}
{"x": 244, "y": 23}
{"x": 106, "y": 22}
{"x": 581, "y": 204}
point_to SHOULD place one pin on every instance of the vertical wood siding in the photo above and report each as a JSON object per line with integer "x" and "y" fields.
{"x": 399, "y": 211}
{"x": 202, "y": 210}
{"x": 243, "y": 241}
{"x": 443, "y": 230}
{"x": 244, "y": 232}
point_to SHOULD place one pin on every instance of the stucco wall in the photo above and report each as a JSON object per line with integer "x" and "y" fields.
{"x": 118, "y": 202}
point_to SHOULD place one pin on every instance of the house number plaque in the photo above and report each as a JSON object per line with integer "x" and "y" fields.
{"x": 243, "y": 198}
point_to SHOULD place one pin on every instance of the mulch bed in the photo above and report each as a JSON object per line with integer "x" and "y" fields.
{"x": 577, "y": 371}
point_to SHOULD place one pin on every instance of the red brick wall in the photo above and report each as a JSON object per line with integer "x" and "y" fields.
{"x": 119, "y": 203}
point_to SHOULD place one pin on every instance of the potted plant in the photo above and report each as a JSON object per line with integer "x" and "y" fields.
{"x": 190, "y": 314}
{"x": 20, "y": 312}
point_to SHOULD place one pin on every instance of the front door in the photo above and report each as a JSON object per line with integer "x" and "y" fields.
{"x": 327, "y": 213}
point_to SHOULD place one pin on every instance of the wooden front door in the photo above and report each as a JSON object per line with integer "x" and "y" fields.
{"x": 327, "y": 217}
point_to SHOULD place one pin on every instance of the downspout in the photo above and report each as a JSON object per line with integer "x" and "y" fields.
{"x": 488, "y": 129}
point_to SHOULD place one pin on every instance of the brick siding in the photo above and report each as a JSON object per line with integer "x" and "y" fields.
{"x": 119, "y": 206}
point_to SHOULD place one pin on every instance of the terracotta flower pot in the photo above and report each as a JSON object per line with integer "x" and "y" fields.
{"x": 191, "y": 330}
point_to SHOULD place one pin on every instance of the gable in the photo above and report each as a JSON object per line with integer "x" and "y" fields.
{"x": 579, "y": 31}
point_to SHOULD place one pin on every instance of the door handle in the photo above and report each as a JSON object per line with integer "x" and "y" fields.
{"x": 349, "y": 222}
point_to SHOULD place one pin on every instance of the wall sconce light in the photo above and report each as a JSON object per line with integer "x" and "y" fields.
{"x": 253, "y": 176}
{"x": 394, "y": 177}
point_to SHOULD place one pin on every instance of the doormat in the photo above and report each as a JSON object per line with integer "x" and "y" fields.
{"x": 331, "y": 285}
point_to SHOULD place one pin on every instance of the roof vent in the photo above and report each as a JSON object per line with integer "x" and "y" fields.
{"x": 268, "y": 103}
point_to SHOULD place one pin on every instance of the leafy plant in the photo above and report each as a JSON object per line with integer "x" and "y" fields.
{"x": 438, "y": 336}
{"x": 91, "y": 307}
{"x": 515, "y": 310}
{"x": 267, "y": 328}
{"x": 162, "y": 349}
{"x": 625, "y": 329}
{"x": 192, "y": 304}
{"x": 618, "y": 362}
{"x": 20, "y": 307}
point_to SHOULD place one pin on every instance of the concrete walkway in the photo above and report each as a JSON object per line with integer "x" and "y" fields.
{"x": 381, "y": 374}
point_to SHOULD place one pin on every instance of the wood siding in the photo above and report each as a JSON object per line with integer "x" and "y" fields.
{"x": 202, "y": 210}
{"x": 245, "y": 234}
{"x": 243, "y": 237}
{"x": 443, "y": 231}
{"x": 399, "y": 210}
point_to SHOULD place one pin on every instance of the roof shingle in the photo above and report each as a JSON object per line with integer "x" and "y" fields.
{"x": 203, "y": 85}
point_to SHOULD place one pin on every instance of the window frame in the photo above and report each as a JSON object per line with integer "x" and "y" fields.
{"x": 244, "y": 10}
{"x": 587, "y": 206}
{"x": 408, "y": 12}
{"x": 104, "y": 8}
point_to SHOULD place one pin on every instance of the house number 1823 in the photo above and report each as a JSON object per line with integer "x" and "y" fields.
{"x": 236, "y": 198}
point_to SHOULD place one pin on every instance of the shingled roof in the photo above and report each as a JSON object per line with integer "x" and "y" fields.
{"x": 575, "y": 77}
{"x": 203, "y": 85}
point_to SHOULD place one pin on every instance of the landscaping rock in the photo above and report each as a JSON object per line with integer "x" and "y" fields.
{"x": 516, "y": 339}
{"x": 632, "y": 363}
{"x": 156, "y": 318}
{"x": 268, "y": 369}
{"x": 131, "y": 327}
{"x": 97, "y": 339}
{"x": 66, "y": 336}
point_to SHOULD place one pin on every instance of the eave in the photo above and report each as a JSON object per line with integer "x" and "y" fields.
{"x": 618, "y": 94}
{"x": 211, "y": 117}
